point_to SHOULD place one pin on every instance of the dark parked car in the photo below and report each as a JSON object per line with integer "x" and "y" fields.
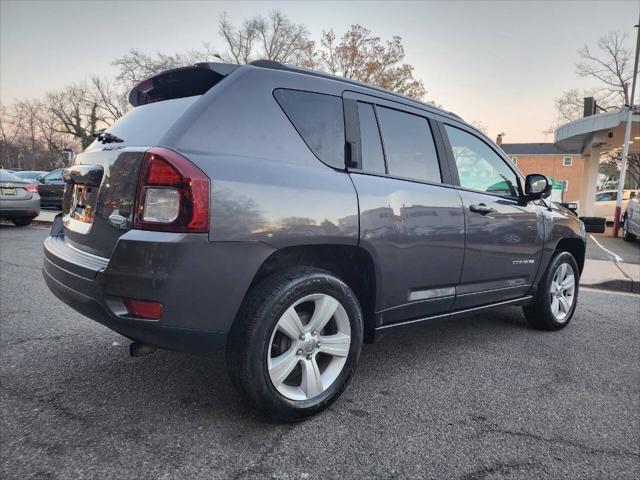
{"x": 51, "y": 188}
{"x": 287, "y": 216}
{"x": 19, "y": 199}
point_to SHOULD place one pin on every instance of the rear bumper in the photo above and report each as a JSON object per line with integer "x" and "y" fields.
{"x": 201, "y": 285}
{"x": 20, "y": 208}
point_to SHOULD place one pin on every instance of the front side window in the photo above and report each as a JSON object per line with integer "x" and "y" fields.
{"x": 567, "y": 161}
{"x": 479, "y": 167}
{"x": 409, "y": 145}
{"x": 370, "y": 143}
{"x": 319, "y": 119}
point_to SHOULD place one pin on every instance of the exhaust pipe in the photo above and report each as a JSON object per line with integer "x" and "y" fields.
{"x": 139, "y": 349}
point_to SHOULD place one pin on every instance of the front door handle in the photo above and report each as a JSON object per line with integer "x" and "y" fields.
{"x": 481, "y": 208}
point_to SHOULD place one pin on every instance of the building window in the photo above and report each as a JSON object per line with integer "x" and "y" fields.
{"x": 567, "y": 161}
{"x": 565, "y": 185}
{"x": 514, "y": 160}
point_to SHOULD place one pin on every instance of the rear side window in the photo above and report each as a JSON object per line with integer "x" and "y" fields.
{"x": 319, "y": 119}
{"x": 371, "y": 145}
{"x": 409, "y": 145}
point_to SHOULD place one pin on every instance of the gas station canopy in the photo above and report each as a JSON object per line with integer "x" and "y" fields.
{"x": 592, "y": 136}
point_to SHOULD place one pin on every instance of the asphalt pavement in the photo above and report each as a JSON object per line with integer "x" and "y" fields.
{"x": 477, "y": 398}
{"x": 607, "y": 247}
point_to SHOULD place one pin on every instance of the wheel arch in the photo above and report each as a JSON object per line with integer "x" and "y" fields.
{"x": 575, "y": 246}
{"x": 352, "y": 264}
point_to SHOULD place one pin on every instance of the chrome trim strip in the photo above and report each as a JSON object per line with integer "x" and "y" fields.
{"x": 432, "y": 293}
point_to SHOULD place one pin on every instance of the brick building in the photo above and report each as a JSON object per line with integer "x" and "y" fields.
{"x": 566, "y": 166}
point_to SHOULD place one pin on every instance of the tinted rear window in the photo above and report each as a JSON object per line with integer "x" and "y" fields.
{"x": 409, "y": 145}
{"x": 319, "y": 119}
{"x": 145, "y": 125}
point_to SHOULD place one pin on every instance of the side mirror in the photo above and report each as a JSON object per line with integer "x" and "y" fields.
{"x": 536, "y": 186}
{"x": 40, "y": 178}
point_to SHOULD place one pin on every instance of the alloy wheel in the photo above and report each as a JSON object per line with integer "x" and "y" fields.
{"x": 562, "y": 291}
{"x": 309, "y": 347}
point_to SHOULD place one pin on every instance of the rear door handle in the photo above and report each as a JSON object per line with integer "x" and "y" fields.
{"x": 481, "y": 208}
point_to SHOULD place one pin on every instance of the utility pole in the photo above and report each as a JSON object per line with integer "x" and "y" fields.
{"x": 627, "y": 135}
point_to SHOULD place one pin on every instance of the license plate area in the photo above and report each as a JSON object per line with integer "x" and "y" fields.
{"x": 81, "y": 213}
{"x": 8, "y": 191}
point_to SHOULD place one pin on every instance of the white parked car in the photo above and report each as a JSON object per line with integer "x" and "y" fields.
{"x": 605, "y": 205}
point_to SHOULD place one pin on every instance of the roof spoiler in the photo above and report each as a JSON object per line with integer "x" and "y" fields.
{"x": 180, "y": 82}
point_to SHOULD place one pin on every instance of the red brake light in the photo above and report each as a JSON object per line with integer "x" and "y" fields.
{"x": 143, "y": 308}
{"x": 162, "y": 173}
{"x": 32, "y": 188}
{"x": 177, "y": 192}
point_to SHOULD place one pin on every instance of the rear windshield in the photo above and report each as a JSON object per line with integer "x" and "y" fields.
{"x": 145, "y": 125}
{"x": 8, "y": 177}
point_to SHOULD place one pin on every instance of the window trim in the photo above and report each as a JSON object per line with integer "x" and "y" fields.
{"x": 354, "y": 98}
{"x": 564, "y": 161}
{"x": 454, "y": 168}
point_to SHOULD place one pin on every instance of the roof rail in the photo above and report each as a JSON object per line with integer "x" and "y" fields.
{"x": 292, "y": 68}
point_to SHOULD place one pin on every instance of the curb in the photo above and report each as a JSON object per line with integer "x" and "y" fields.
{"x": 616, "y": 285}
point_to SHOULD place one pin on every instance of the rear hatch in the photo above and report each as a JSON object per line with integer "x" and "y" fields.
{"x": 100, "y": 192}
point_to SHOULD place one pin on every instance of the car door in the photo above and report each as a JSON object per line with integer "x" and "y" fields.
{"x": 52, "y": 188}
{"x": 410, "y": 223}
{"x": 504, "y": 236}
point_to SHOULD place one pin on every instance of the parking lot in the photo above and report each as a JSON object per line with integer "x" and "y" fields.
{"x": 474, "y": 398}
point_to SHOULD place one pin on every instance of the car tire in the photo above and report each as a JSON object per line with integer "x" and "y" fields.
{"x": 626, "y": 236}
{"x": 261, "y": 346}
{"x": 22, "y": 221}
{"x": 557, "y": 296}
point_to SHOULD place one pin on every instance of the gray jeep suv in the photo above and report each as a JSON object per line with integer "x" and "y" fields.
{"x": 287, "y": 216}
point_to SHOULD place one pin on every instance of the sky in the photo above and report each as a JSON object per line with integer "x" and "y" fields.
{"x": 500, "y": 63}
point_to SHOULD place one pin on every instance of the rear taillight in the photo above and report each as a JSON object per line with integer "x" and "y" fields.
{"x": 173, "y": 194}
{"x": 32, "y": 188}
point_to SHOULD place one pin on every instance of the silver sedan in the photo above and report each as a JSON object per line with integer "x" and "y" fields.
{"x": 19, "y": 199}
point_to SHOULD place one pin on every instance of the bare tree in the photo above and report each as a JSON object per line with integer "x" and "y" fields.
{"x": 357, "y": 54}
{"x": 136, "y": 65}
{"x": 76, "y": 112}
{"x": 273, "y": 37}
{"x": 11, "y": 120}
{"x": 610, "y": 66}
{"x": 110, "y": 96}
{"x": 366, "y": 58}
{"x": 612, "y": 162}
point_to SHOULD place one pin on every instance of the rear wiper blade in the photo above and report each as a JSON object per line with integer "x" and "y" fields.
{"x": 106, "y": 137}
